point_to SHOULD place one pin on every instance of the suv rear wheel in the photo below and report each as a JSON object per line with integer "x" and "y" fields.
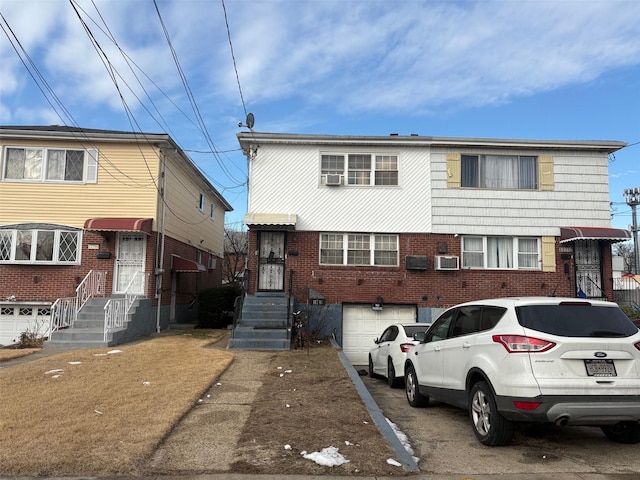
{"x": 412, "y": 389}
{"x": 623, "y": 432}
{"x": 489, "y": 426}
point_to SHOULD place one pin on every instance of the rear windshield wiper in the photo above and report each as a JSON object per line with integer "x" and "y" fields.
{"x": 606, "y": 333}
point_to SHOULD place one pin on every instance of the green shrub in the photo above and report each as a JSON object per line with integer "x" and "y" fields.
{"x": 215, "y": 306}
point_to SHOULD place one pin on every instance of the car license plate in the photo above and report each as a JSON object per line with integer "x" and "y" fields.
{"x": 600, "y": 368}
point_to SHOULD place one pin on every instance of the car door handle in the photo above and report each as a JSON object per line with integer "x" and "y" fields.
{"x": 466, "y": 345}
{"x": 437, "y": 349}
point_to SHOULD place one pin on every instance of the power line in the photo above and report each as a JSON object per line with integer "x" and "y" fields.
{"x": 233, "y": 57}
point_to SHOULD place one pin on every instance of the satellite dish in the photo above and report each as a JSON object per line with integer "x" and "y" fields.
{"x": 250, "y": 120}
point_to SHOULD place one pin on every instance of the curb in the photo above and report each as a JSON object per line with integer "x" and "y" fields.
{"x": 407, "y": 461}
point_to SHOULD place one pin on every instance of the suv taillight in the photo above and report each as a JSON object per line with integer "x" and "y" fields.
{"x": 522, "y": 344}
{"x": 637, "y": 345}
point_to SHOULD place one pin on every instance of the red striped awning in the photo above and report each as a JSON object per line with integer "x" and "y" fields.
{"x": 571, "y": 234}
{"x": 180, "y": 264}
{"x": 119, "y": 224}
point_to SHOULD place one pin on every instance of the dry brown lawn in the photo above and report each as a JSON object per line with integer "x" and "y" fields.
{"x": 91, "y": 412}
{"x": 312, "y": 407}
{"x": 94, "y": 412}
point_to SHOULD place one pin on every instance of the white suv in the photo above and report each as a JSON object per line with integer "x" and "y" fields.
{"x": 539, "y": 359}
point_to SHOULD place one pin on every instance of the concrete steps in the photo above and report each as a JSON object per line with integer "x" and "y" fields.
{"x": 262, "y": 324}
{"x": 87, "y": 330}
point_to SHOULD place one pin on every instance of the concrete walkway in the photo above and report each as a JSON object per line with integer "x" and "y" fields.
{"x": 216, "y": 423}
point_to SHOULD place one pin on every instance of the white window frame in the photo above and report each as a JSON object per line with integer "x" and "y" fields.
{"x": 352, "y": 247}
{"x": 89, "y": 166}
{"x": 379, "y": 170}
{"x": 11, "y": 236}
{"x": 515, "y": 254}
{"x": 201, "y": 202}
{"x": 212, "y": 213}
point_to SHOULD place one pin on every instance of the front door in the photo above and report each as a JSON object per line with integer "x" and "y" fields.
{"x": 130, "y": 256}
{"x": 588, "y": 269}
{"x": 271, "y": 261}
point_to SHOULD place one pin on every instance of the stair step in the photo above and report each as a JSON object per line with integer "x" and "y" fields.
{"x": 258, "y": 344}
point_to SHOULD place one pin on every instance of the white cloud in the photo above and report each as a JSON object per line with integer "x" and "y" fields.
{"x": 354, "y": 56}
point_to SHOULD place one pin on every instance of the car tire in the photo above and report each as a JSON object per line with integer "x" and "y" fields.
{"x": 623, "y": 432}
{"x": 412, "y": 388}
{"x": 372, "y": 374}
{"x": 489, "y": 426}
{"x": 391, "y": 375}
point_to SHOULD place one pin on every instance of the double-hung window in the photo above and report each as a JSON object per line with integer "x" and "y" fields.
{"x": 499, "y": 172}
{"x": 50, "y": 165}
{"x": 359, "y": 169}
{"x": 358, "y": 249}
{"x": 501, "y": 252}
{"x": 40, "y": 245}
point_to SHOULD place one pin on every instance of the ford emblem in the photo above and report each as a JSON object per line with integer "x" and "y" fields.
{"x": 599, "y": 354}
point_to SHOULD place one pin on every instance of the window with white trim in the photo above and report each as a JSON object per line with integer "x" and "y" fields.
{"x": 35, "y": 164}
{"x": 360, "y": 169}
{"x": 40, "y": 246}
{"x": 521, "y": 253}
{"x": 499, "y": 172}
{"x": 359, "y": 249}
{"x": 212, "y": 214}
{"x": 201, "y": 202}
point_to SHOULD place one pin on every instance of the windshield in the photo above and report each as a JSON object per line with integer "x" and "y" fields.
{"x": 576, "y": 320}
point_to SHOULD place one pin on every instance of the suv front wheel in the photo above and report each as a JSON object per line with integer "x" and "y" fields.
{"x": 489, "y": 426}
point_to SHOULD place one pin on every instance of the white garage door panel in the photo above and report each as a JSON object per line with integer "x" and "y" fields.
{"x": 361, "y": 325}
{"x": 18, "y": 319}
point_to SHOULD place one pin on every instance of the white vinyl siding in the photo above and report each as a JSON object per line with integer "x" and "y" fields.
{"x": 572, "y": 190}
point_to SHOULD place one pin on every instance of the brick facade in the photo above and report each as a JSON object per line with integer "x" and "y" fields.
{"x": 424, "y": 288}
{"x": 47, "y": 283}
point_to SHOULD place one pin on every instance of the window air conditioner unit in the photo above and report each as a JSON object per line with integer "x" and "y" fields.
{"x": 447, "y": 262}
{"x": 333, "y": 179}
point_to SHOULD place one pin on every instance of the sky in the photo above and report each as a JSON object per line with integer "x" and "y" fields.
{"x": 566, "y": 70}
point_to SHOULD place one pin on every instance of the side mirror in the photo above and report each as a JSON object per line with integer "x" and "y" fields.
{"x": 419, "y": 336}
{"x": 376, "y": 341}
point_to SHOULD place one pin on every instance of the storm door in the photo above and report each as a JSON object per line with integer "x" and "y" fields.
{"x": 271, "y": 261}
{"x": 588, "y": 269}
{"x": 130, "y": 257}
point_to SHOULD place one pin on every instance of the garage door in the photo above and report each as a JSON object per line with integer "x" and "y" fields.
{"x": 361, "y": 325}
{"x": 16, "y": 318}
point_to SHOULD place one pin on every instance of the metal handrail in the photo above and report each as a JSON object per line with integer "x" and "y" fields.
{"x": 116, "y": 310}
{"x": 64, "y": 311}
{"x": 93, "y": 285}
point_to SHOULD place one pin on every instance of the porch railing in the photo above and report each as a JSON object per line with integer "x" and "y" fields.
{"x": 64, "y": 311}
{"x": 93, "y": 285}
{"x": 116, "y": 310}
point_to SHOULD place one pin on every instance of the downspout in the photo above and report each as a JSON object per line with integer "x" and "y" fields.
{"x": 160, "y": 258}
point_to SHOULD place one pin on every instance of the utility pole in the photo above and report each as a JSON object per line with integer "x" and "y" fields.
{"x": 632, "y": 195}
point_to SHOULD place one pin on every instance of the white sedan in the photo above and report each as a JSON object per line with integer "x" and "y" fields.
{"x": 387, "y": 358}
